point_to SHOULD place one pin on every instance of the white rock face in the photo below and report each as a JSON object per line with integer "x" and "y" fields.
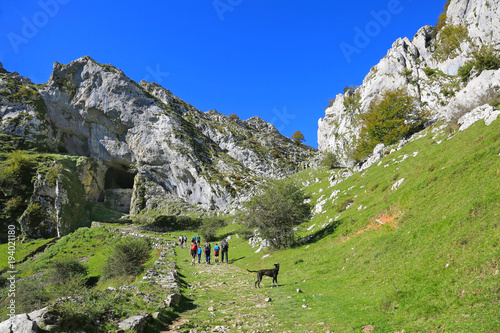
{"x": 204, "y": 159}
{"x": 414, "y": 65}
{"x": 486, "y": 112}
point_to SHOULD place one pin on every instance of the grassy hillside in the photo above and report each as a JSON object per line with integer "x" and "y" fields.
{"x": 421, "y": 257}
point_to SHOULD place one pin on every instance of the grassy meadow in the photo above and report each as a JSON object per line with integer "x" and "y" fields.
{"x": 411, "y": 244}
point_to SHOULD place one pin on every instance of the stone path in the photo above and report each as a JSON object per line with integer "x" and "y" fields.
{"x": 224, "y": 299}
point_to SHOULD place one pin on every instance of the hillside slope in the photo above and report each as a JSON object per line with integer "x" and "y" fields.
{"x": 411, "y": 244}
{"x": 449, "y": 69}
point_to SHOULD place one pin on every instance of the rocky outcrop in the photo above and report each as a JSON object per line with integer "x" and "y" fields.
{"x": 149, "y": 143}
{"x": 61, "y": 192}
{"x": 25, "y": 323}
{"x": 427, "y": 71}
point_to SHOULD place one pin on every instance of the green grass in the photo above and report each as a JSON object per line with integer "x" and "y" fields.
{"x": 431, "y": 266}
{"x": 434, "y": 267}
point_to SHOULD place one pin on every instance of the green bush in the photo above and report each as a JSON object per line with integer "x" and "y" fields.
{"x": 352, "y": 99}
{"x": 209, "y": 227}
{"x": 465, "y": 70}
{"x": 344, "y": 205}
{"x": 65, "y": 269}
{"x": 448, "y": 43}
{"x": 127, "y": 258}
{"x": 486, "y": 59}
{"x": 392, "y": 117}
{"x": 93, "y": 309}
{"x": 276, "y": 212}
{"x": 330, "y": 161}
{"x": 441, "y": 23}
{"x": 429, "y": 71}
{"x": 30, "y": 296}
{"x": 173, "y": 223}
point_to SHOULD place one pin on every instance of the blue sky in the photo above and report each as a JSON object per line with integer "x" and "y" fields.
{"x": 281, "y": 60}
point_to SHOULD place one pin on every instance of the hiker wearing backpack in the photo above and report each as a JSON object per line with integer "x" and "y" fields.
{"x": 199, "y": 254}
{"x": 194, "y": 249}
{"x": 208, "y": 249}
{"x": 224, "y": 250}
{"x": 216, "y": 252}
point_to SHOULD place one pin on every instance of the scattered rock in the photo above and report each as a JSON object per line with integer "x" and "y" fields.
{"x": 134, "y": 323}
{"x": 172, "y": 299}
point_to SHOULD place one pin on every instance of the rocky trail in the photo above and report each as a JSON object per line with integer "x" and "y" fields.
{"x": 222, "y": 298}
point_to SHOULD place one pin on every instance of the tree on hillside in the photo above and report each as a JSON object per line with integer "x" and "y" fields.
{"x": 276, "y": 212}
{"x": 298, "y": 137}
{"x": 391, "y": 117}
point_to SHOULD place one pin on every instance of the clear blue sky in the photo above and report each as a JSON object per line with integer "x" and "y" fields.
{"x": 281, "y": 60}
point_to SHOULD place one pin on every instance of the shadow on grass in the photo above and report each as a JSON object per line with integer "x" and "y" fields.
{"x": 235, "y": 260}
{"x": 320, "y": 234}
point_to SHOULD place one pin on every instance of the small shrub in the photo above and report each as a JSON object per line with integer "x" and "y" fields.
{"x": 276, "y": 212}
{"x": 34, "y": 210}
{"x": 209, "y": 227}
{"x": 486, "y": 59}
{"x": 465, "y": 70}
{"x": 30, "y": 296}
{"x": 65, "y": 269}
{"x": 441, "y": 23}
{"x": 390, "y": 118}
{"x": 429, "y": 71}
{"x": 346, "y": 204}
{"x": 330, "y": 161}
{"x": 127, "y": 258}
{"x": 450, "y": 38}
{"x": 352, "y": 99}
{"x": 94, "y": 309}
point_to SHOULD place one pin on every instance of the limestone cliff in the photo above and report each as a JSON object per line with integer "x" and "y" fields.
{"x": 428, "y": 67}
{"x": 155, "y": 149}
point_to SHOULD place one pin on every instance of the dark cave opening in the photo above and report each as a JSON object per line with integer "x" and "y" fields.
{"x": 119, "y": 177}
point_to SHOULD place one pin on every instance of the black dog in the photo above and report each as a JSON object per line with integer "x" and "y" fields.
{"x": 268, "y": 272}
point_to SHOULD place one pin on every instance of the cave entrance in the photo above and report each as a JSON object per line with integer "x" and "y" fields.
{"x": 118, "y": 177}
{"x": 119, "y": 184}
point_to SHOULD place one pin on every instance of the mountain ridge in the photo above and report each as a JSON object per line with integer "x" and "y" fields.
{"x": 428, "y": 68}
{"x": 143, "y": 134}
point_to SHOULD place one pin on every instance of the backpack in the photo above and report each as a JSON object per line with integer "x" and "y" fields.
{"x": 207, "y": 248}
{"x": 194, "y": 247}
{"x": 224, "y": 246}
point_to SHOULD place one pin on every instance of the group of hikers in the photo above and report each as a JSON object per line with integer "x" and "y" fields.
{"x": 197, "y": 250}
